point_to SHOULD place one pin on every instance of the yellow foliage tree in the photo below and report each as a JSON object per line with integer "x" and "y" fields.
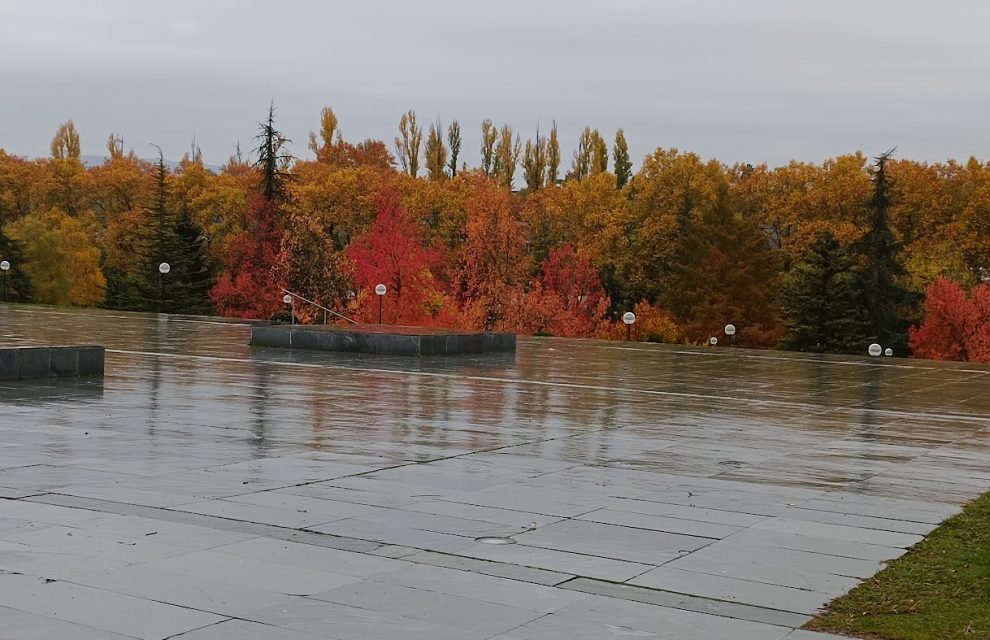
{"x": 63, "y": 263}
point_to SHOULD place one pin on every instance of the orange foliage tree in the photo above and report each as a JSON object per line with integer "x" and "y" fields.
{"x": 653, "y": 324}
{"x": 494, "y": 262}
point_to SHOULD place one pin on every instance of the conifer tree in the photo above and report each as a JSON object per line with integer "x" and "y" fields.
{"x": 17, "y": 285}
{"x": 621, "y": 162}
{"x": 724, "y": 272}
{"x": 273, "y": 159}
{"x": 172, "y": 238}
{"x": 820, "y": 301}
{"x": 883, "y": 298}
{"x": 190, "y": 279}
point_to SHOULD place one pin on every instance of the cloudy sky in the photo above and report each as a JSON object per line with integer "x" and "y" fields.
{"x": 754, "y": 81}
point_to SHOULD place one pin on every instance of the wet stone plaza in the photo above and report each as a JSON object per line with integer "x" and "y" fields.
{"x": 205, "y": 489}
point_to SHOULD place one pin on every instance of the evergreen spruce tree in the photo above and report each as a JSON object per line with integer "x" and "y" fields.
{"x": 190, "y": 279}
{"x": 170, "y": 238}
{"x": 273, "y": 159}
{"x": 884, "y": 300}
{"x": 820, "y": 301}
{"x": 17, "y": 285}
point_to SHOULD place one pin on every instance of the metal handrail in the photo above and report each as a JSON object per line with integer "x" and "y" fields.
{"x": 317, "y": 304}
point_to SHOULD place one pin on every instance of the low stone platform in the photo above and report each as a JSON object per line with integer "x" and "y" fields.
{"x": 382, "y": 339}
{"x": 25, "y": 363}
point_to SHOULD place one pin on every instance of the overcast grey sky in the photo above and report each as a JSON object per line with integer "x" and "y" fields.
{"x": 754, "y": 80}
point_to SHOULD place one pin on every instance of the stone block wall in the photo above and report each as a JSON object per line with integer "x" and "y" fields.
{"x": 26, "y": 363}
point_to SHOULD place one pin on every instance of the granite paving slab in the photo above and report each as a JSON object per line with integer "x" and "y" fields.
{"x": 638, "y": 490}
{"x": 117, "y": 613}
{"x": 431, "y": 606}
{"x": 260, "y": 574}
{"x": 19, "y": 625}
{"x": 343, "y": 622}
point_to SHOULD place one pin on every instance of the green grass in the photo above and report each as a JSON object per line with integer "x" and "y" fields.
{"x": 939, "y": 590}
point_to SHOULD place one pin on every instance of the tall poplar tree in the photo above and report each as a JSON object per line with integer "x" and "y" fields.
{"x": 489, "y": 134}
{"x": 507, "y": 153}
{"x": 621, "y": 162}
{"x": 408, "y": 142}
{"x": 553, "y": 156}
{"x": 535, "y": 163}
{"x": 329, "y": 133}
{"x": 599, "y": 153}
{"x": 583, "y": 155}
{"x": 436, "y": 153}
{"x": 454, "y": 142}
{"x": 65, "y": 143}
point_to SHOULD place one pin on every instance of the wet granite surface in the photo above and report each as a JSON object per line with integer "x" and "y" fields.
{"x": 205, "y": 489}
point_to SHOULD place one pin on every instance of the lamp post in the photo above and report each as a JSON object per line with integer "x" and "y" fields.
{"x": 289, "y": 300}
{"x": 629, "y": 318}
{"x": 730, "y": 330}
{"x": 4, "y": 267}
{"x": 163, "y": 270}
{"x": 380, "y": 291}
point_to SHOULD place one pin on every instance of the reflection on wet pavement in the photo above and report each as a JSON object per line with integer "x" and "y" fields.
{"x": 205, "y": 489}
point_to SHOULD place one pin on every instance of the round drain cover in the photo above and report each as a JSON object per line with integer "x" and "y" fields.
{"x": 494, "y": 540}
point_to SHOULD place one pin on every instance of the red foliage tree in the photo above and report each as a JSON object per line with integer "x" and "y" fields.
{"x": 956, "y": 326}
{"x": 392, "y": 253}
{"x": 979, "y": 342}
{"x": 247, "y": 288}
{"x": 568, "y": 298}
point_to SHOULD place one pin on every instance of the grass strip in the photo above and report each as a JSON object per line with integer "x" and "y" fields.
{"x": 939, "y": 590}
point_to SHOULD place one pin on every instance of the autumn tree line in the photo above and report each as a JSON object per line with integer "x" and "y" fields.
{"x": 823, "y": 257}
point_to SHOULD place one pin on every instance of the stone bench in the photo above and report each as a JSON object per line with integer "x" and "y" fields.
{"x": 26, "y": 363}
